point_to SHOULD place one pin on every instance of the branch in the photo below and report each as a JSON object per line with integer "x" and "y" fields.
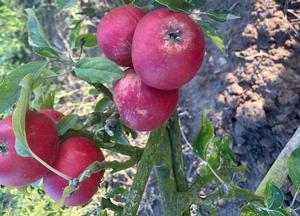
{"x": 233, "y": 193}
{"x": 279, "y": 170}
{"x": 116, "y": 147}
{"x": 143, "y": 172}
{"x": 174, "y": 133}
{"x": 185, "y": 199}
{"x": 177, "y": 156}
{"x": 117, "y": 166}
{"x": 203, "y": 181}
{"x": 122, "y": 149}
{"x": 168, "y": 191}
{"x": 245, "y": 194}
{"x": 165, "y": 176}
{"x": 98, "y": 166}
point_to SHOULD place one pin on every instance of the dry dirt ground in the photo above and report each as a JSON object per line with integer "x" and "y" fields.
{"x": 254, "y": 91}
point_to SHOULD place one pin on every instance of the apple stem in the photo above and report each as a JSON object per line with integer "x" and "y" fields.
{"x": 68, "y": 178}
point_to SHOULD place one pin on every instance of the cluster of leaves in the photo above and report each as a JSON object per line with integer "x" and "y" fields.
{"x": 273, "y": 195}
{"x": 217, "y": 154}
{"x": 273, "y": 201}
{"x": 220, "y": 155}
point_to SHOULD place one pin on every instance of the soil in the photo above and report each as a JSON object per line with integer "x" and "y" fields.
{"x": 254, "y": 91}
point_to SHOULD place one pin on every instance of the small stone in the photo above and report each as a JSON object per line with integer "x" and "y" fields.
{"x": 235, "y": 89}
{"x": 230, "y": 78}
{"x": 222, "y": 61}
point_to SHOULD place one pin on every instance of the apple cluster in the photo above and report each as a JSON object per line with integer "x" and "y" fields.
{"x": 160, "y": 51}
{"x": 70, "y": 157}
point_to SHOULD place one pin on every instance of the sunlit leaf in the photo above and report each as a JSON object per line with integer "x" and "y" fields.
{"x": 204, "y": 136}
{"x": 10, "y": 84}
{"x": 98, "y": 70}
{"x": 68, "y": 122}
{"x": 18, "y": 118}
{"x": 294, "y": 168}
{"x": 177, "y": 5}
{"x": 250, "y": 210}
{"x": 222, "y": 16}
{"x": 87, "y": 40}
{"x": 214, "y": 34}
{"x": 37, "y": 38}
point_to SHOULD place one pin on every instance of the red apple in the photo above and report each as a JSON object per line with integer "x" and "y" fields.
{"x": 167, "y": 49}
{"x": 142, "y": 107}
{"x": 75, "y": 154}
{"x": 115, "y": 33}
{"x": 53, "y": 114}
{"x": 42, "y": 138}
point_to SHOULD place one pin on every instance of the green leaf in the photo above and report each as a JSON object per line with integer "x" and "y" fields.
{"x": 214, "y": 34}
{"x": 198, "y": 3}
{"x": 37, "y": 37}
{"x": 10, "y": 85}
{"x": 98, "y": 70}
{"x": 119, "y": 134}
{"x": 18, "y": 118}
{"x": 142, "y": 3}
{"x": 279, "y": 212}
{"x": 45, "y": 52}
{"x": 223, "y": 146}
{"x": 68, "y": 122}
{"x": 294, "y": 168}
{"x": 222, "y": 16}
{"x": 43, "y": 91}
{"x": 204, "y": 170}
{"x": 102, "y": 104}
{"x": 250, "y": 210}
{"x": 88, "y": 40}
{"x": 103, "y": 212}
{"x": 46, "y": 76}
{"x": 67, "y": 192}
{"x": 48, "y": 101}
{"x": 115, "y": 192}
{"x": 204, "y": 137}
{"x": 93, "y": 91}
{"x": 273, "y": 196}
{"x": 64, "y": 4}
{"x": 75, "y": 32}
{"x": 177, "y": 5}
{"x": 214, "y": 160}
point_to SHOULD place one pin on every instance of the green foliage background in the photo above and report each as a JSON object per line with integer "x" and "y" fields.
{"x": 14, "y": 51}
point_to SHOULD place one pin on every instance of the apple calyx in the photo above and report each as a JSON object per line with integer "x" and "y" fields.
{"x": 173, "y": 36}
{"x": 3, "y": 147}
